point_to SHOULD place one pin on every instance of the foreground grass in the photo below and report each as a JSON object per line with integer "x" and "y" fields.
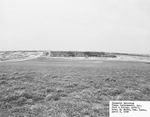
{"x": 60, "y": 88}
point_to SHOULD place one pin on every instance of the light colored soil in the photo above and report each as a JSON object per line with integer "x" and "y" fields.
{"x": 29, "y": 57}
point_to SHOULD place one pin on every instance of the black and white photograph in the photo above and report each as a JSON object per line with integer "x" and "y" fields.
{"x": 74, "y": 58}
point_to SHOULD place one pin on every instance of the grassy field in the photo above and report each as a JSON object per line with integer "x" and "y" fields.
{"x": 53, "y": 87}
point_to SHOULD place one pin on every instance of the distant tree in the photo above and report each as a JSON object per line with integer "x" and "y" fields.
{"x": 71, "y": 54}
{"x": 87, "y": 54}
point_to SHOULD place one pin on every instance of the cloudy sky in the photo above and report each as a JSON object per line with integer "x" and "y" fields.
{"x": 91, "y": 25}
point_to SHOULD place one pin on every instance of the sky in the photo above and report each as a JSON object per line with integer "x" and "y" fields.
{"x": 75, "y": 25}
